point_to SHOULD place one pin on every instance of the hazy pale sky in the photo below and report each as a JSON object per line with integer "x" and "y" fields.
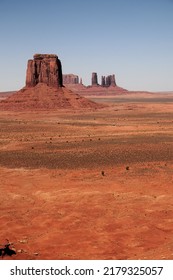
{"x": 132, "y": 39}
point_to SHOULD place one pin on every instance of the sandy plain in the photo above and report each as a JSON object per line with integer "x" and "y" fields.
{"x": 89, "y": 184}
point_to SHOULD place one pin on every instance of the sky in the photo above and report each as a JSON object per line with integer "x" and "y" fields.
{"x": 132, "y": 39}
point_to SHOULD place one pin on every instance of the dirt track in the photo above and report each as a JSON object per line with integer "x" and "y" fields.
{"x": 56, "y": 204}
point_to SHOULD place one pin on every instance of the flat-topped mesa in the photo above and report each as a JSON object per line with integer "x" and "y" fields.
{"x": 44, "y": 68}
{"x": 70, "y": 79}
{"x": 41, "y": 56}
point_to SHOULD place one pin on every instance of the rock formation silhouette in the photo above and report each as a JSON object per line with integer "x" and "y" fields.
{"x": 106, "y": 81}
{"x": 110, "y": 81}
{"x": 94, "y": 80}
{"x": 103, "y": 83}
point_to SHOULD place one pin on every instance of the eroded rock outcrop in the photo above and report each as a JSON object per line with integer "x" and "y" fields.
{"x": 44, "y": 89}
{"x": 103, "y": 81}
{"x": 94, "y": 80}
{"x": 110, "y": 81}
{"x": 44, "y": 68}
{"x": 70, "y": 79}
{"x": 106, "y": 81}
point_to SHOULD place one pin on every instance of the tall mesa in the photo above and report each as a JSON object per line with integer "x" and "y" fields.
{"x": 44, "y": 68}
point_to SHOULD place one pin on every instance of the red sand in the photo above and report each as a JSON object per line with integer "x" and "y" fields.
{"x": 56, "y": 204}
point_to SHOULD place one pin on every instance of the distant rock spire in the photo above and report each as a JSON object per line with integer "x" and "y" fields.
{"x": 94, "y": 80}
{"x": 106, "y": 81}
{"x": 103, "y": 81}
{"x": 110, "y": 81}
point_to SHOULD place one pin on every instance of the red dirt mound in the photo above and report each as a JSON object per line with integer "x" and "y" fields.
{"x": 44, "y": 97}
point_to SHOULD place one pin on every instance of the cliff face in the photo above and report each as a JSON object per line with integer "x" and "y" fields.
{"x": 44, "y": 68}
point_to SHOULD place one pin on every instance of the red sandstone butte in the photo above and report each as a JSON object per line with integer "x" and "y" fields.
{"x": 44, "y": 89}
{"x": 44, "y": 68}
